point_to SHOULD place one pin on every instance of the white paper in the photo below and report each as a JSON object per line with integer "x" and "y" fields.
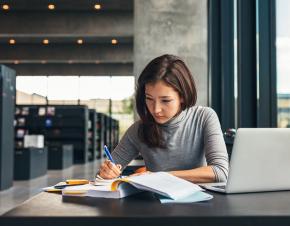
{"x": 198, "y": 196}
{"x": 165, "y": 184}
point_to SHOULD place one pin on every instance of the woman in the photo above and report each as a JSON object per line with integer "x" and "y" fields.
{"x": 173, "y": 134}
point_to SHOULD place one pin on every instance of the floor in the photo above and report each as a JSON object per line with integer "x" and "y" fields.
{"x": 23, "y": 190}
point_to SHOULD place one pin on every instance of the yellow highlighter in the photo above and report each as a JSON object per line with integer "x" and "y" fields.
{"x": 76, "y": 181}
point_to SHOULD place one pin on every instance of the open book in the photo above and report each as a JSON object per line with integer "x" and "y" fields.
{"x": 161, "y": 183}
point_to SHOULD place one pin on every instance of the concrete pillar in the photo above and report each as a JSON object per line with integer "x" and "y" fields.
{"x": 174, "y": 27}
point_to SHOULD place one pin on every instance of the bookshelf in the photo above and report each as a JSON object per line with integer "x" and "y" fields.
{"x": 100, "y": 134}
{"x": 92, "y": 135}
{"x": 60, "y": 125}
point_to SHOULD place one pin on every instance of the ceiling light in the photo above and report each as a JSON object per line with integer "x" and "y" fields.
{"x": 5, "y": 7}
{"x": 51, "y": 6}
{"x": 16, "y": 61}
{"x": 12, "y": 41}
{"x": 80, "y": 41}
{"x": 114, "y": 41}
{"x": 45, "y": 41}
{"x": 98, "y": 6}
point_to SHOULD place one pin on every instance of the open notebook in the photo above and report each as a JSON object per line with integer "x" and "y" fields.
{"x": 160, "y": 183}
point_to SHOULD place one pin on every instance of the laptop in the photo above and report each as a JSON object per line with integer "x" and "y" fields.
{"x": 260, "y": 162}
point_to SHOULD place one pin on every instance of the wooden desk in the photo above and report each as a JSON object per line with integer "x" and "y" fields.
{"x": 271, "y": 208}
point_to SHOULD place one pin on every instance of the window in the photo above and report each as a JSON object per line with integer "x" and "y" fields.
{"x": 93, "y": 91}
{"x": 283, "y": 59}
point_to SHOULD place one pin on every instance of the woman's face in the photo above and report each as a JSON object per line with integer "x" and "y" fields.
{"x": 162, "y": 101}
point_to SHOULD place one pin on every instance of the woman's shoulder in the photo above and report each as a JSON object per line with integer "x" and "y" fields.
{"x": 202, "y": 111}
{"x": 132, "y": 131}
{"x": 135, "y": 124}
{"x": 202, "y": 115}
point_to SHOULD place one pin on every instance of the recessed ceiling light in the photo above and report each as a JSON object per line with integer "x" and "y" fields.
{"x": 45, "y": 41}
{"x": 80, "y": 41}
{"x": 51, "y": 6}
{"x": 12, "y": 41}
{"x": 114, "y": 41}
{"x": 98, "y": 6}
{"x": 5, "y": 7}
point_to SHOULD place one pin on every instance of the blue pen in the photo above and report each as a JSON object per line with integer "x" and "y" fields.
{"x": 108, "y": 154}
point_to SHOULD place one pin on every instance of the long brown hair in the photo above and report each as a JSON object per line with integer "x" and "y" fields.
{"x": 173, "y": 71}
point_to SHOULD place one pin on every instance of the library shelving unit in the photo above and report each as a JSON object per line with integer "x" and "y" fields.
{"x": 7, "y": 108}
{"x": 100, "y": 134}
{"x": 92, "y": 135}
{"x": 107, "y": 133}
{"x": 65, "y": 130}
{"x": 114, "y": 133}
{"x": 28, "y": 162}
{"x": 111, "y": 134}
{"x": 108, "y": 129}
{"x": 102, "y": 130}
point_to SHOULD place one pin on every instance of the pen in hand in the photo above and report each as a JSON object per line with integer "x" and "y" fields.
{"x": 111, "y": 165}
{"x": 108, "y": 154}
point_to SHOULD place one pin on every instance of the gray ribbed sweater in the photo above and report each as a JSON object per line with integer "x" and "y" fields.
{"x": 193, "y": 138}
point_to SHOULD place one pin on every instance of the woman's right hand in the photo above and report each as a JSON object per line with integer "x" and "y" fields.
{"x": 109, "y": 170}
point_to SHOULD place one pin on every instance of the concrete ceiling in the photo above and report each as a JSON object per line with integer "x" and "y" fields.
{"x": 29, "y": 22}
{"x": 65, "y": 5}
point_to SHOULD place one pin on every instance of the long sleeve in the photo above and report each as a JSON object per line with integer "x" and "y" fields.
{"x": 214, "y": 147}
{"x": 128, "y": 147}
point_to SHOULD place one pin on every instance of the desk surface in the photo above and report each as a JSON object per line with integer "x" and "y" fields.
{"x": 269, "y": 208}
